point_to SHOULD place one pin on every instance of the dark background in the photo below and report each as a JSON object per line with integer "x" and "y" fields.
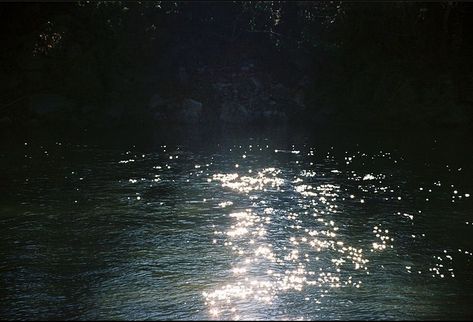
{"x": 92, "y": 64}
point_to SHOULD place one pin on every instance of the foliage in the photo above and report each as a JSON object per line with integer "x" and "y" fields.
{"x": 375, "y": 57}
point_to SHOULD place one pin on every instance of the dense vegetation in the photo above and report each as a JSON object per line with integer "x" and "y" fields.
{"x": 377, "y": 63}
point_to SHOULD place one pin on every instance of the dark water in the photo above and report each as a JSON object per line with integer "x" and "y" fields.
{"x": 220, "y": 224}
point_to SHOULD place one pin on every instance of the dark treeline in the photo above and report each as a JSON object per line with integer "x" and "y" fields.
{"x": 117, "y": 62}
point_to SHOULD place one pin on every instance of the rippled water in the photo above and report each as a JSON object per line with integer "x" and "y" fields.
{"x": 237, "y": 225}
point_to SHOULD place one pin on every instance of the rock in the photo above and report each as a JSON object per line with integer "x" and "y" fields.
{"x": 280, "y": 92}
{"x": 182, "y": 76}
{"x": 155, "y": 101}
{"x": 249, "y": 86}
{"x": 268, "y": 114}
{"x": 233, "y": 113}
{"x": 274, "y": 115}
{"x": 191, "y": 111}
{"x": 299, "y": 98}
{"x": 160, "y": 116}
{"x": 190, "y": 104}
{"x": 202, "y": 69}
{"x": 255, "y": 83}
{"x": 221, "y": 85}
{"x": 247, "y": 65}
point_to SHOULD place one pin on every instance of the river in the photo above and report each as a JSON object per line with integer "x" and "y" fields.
{"x": 237, "y": 224}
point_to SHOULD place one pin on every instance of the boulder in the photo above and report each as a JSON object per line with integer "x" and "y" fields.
{"x": 256, "y": 84}
{"x": 182, "y": 76}
{"x": 280, "y": 92}
{"x": 248, "y": 87}
{"x": 160, "y": 116}
{"x": 223, "y": 89}
{"x": 191, "y": 111}
{"x": 234, "y": 113}
{"x": 156, "y": 101}
{"x": 299, "y": 98}
{"x": 247, "y": 65}
{"x": 273, "y": 115}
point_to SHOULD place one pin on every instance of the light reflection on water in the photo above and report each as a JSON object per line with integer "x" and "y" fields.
{"x": 247, "y": 229}
{"x": 311, "y": 257}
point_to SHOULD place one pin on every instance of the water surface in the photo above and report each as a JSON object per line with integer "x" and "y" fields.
{"x": 225, "y": 224}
